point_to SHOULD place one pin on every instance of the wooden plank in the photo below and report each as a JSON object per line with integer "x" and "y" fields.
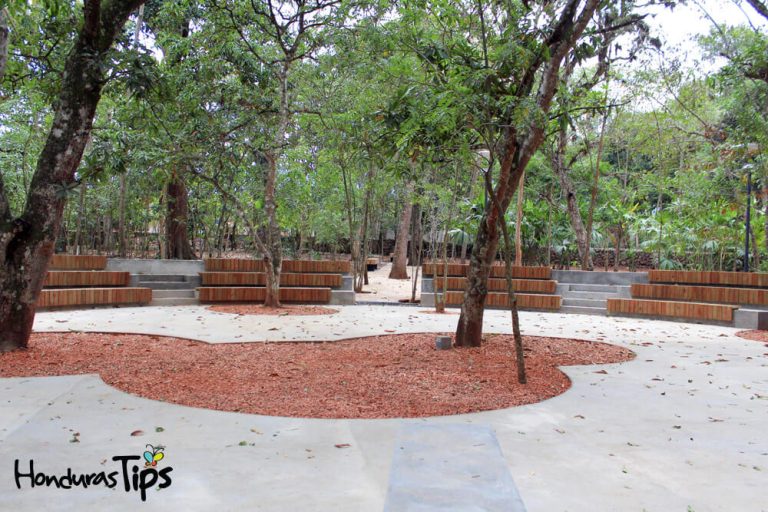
{"x": 457, "y": 269}
{"x": 254, "y": 294}
{"x": 752, "y": 279}
{"x": 93, "y": 297}
{"x": 76, "y": 262}
{"x": 297, "y": 266}
{"x": 497, "y": 284}
{"x": 718, "y": 294}
{"x": 259, "y": 279}
{"x": 524, "y": 300}
{"x": 662, "y": 308}
{"x": 77, "y": 278}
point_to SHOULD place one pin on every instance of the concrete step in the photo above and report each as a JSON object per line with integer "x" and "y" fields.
{"x": 173, "y": 301}
{"x": 168, "y": 285}
{"x": 588, "y": 295}
{"x": 170, "y": 294}
{"x": 580, "y": 310}
{"x": 143, "y": 278}
{"x": 604, "y": 288}
{"x": 587, "y": 303}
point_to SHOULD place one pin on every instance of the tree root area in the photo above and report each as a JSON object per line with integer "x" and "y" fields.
{"x": 389, "y": 376}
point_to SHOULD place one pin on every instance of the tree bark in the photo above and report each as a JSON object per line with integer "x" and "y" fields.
{"x": 519, "y": 222}
{"x": 400, "y": 259}
{"x": 572, "y": 204}
{"x": 177, "y": 214}
{"x": 3, "y": 41}
{"x": 416, "y": 238}
{"x": 515, "y": 154}
{"x": 27, "y": 242}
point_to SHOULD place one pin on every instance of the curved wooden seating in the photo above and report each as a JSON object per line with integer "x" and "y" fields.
{"x": 498, "y": 284}
{"x": 457, "y": 269}
{"x": 695, "y": 310}
{"x": 524, "y": 300}
{"x": 717, "y": 294}
{"x": 750, "y": 279}
{"x": 296, "y": 266}
{"x": 93, "y": 297}
{"x": 75, "y": 262}
{"x": 69, "y": 278}
{"x": 255, "y": 294}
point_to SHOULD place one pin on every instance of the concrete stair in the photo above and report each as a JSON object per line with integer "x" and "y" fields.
{"x": 586, "y": 299}
{"x": 170, "y": 289}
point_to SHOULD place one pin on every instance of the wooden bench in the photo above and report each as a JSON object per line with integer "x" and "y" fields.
{"x": 675, "y": 309}
{"x": 457, "y": 269}
{"x": 498, "y": 284}
{"x": 76, "y": 262}
{"x": 524, "y": 300}
{"x": 93, "y": 297}
{"x": 288, "y": 266}
{"x": 716, "y": 294}
{"x": 747, "y": 279}
{"x": 256, "y": 294}
{"x": 260, "y": 279}
{"x": 72, "y": 278}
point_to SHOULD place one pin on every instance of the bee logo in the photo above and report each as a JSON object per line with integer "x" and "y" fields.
{"x": 153, "y": 455}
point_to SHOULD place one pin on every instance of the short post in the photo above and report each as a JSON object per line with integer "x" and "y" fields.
{"x": 443, "y": 343}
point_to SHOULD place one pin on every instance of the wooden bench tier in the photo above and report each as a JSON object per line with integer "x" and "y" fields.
{"x": 260, "y": 279}
{"x": 716, "y": 278}
{"x": 524, "y": 300}
{"x": 296, "y": 266}
{"x": 79, "y": 278}
{"x": 93, "y": 297}
{"x": 717, "y": 294}
{"x": 498, "y": 284}
{"x": 255, "y": 294}
{"x": 457, "y": 269}
{"x": 666, "y": 308}
{"x": 75, "y": 262}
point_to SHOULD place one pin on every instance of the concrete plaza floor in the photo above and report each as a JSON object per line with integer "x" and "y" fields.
{"x": 681, "y": 427}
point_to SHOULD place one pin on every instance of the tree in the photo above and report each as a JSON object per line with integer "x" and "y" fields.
{"x": 27, "y": 240}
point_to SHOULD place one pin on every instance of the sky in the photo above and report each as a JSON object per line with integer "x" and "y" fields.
{"x": 679, "y": 27}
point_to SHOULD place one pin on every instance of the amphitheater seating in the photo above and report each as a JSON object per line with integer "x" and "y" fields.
{"x": 535, "y": 282}
{"x": 243, "y": 280}
{"x": 75, "y": 280}
{"x": 705, "y": 295}
{"x": 694, "y": 310}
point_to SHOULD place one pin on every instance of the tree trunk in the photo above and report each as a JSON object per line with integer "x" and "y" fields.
{"x": 274, "y": 257}
{"x": 416, "y": 238}
{"x": 516, "y": 152}
{"x": 3, "y": 41}
{"x": 519, "y": 222}
{"x": 177, "y": 214}
{"x": 27, "y": 242}
{"x": 519, "y": 352}
{"x": 121, "y": 220}
{"x": 574, "y": 214}
{"x": 400, "y": 259}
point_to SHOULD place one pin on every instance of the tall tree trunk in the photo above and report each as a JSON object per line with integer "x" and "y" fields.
{"x": 515, "y": 152}
{"x": 80, "y": 216}
{"x": 519, "y": 352}
{"x": 519, "y": 222}
{"x": 416, "y": 237}
{"x": 176, "y": 218}
{"x": 400, "y": 259}
{"x": 273, "y": 259}
{"x": 572, "y": 204}
{"x": 586, "y": 264}
{"x": 121, "y": 221}
{"x": 3, "y": 41}
{"x": 27, "y": 242}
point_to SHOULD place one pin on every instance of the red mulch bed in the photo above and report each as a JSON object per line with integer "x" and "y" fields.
{"x": 400, "y": 375}
{"x": 754, "y": 335}
{"x": 257, "y": 309}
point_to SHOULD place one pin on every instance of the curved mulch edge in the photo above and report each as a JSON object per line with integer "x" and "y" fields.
{"x": 386, "y": 376}
{"x": 258, "y": 309}
{"x": 753, "y": 335}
